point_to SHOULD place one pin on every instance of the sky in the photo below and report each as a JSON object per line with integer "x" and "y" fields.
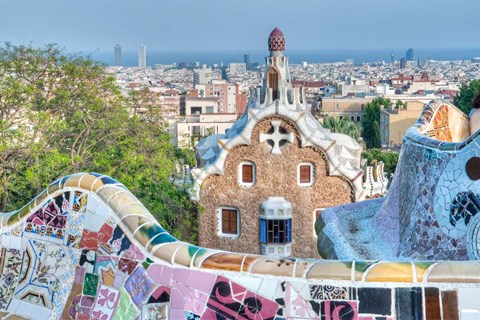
{"x": 205, "y": 25}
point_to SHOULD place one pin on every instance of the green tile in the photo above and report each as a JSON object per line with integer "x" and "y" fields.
{"x": 90, "y": 284}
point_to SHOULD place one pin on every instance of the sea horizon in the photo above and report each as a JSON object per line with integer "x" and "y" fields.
{"x": 211, "y": 57}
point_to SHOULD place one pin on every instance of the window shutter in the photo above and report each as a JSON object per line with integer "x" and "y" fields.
{"x": 247, "y": 173}
{"x": 229, "y": 221}
{"x": 305, "y": 171}
{"x": 263, "y": 231}
{"x": 289, "y": 230}
{"x": 233, "y": 221}
{"x": 225, "y": 221}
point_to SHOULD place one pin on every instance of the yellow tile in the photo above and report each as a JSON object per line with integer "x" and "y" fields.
{"x": 390, "y": 272}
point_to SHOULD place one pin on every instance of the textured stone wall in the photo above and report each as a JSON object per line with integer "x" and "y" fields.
{"x": 276, "y": 176}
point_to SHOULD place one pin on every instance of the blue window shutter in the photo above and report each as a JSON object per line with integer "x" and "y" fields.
{"x": 263, "y": 231}
{"x": 289, "y": 230}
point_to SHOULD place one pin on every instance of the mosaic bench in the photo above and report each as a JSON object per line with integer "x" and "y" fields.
{"x": 86, "y": 248}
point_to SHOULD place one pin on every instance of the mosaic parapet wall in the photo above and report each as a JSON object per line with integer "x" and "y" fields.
{"x": 430, "y": 210}
{"x": 86, "y": 248}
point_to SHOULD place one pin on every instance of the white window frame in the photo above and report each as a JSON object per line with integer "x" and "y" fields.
{"x": 219, "y": 223}
{"x": 312, "y": 172}
{"x": 240, "y": 174}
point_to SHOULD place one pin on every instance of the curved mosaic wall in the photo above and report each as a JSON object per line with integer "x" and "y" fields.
{"x": 85, "y": 248}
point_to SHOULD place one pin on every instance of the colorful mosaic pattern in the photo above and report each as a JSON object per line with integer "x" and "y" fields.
{"x": 430, "y": 211}
{"x": 133, "y": 269}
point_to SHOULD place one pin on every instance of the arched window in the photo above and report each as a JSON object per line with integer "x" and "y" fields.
{"x": 272, "y": 78}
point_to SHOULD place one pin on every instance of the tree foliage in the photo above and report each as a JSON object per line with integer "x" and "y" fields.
{"x": 345, "y": 126}
{"x": 464, "y": 99}
{"x": 371, "y": 122}
{"x": 389, "y": 159}
{"x": 62, "y": 114}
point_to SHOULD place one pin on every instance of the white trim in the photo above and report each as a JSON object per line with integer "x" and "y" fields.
{"x": 240, "y": 174}
{"x": 312, "y": 172}
{"x": 219, "y": 223}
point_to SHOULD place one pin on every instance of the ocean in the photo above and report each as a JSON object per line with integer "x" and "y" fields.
{"x": 129, "y": 58}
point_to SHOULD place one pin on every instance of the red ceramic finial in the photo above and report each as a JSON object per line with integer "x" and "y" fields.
{"x": 276, "y": 40}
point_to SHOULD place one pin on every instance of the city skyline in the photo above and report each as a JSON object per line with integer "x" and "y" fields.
{"x": 229, "y": 25}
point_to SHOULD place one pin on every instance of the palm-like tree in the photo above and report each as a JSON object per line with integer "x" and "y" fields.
{"x": 345, "y": 126}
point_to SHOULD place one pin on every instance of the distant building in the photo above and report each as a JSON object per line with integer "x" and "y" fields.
{"x": 231, "y": 96}
{"x": 394, "y": 122}
{"x": 142, "y": 56}
{"x": 246, "y": 59}
{"x": 195, "y": 127}
{"x": 409, "y": 54}
{"x": 185, "y": 64}
{"x": 202, "y": 76}
{"x": 237, "y": 68}
{"x": 350, "y": 108}
{"x": 401, "y": 80}
{"x": 353, "y": 86}
{"x": 118, "y": 55}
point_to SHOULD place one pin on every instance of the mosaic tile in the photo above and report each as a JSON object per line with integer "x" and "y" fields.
{"x": 157, "y": 311}
{"x": 324, "y": 292}
{"x": 106, "y": 303}
{"x": 375, "y": 301}
{"x": 126, "y": 308}
{"x": 341, "y": 310}
{"x": 432, "y": 303}
{"x": 450, "y": 304}
{"x": 409, "y": 303}
{"x": 90, "y": 284}
{"x": 139, "y": 286}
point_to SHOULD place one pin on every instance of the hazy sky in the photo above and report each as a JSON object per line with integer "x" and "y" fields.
{"x": 86, "y": 25}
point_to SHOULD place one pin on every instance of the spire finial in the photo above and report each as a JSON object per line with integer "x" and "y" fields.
{"x": 276, "y": 40}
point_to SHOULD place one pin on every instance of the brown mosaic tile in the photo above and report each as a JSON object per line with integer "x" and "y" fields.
{"x": 450, "y": 305}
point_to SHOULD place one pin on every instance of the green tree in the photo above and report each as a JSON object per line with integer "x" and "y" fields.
{"x": 399, "y": 104}
{"x": 345, "y": 126}
{"x": 390, "y": 159}
{"x": 25, "y": 123}
{"x": 464, "y": 99}
{"x": 371, "y": 122}
{"x": 62, "y": 114}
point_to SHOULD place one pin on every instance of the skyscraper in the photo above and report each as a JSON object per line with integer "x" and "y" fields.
{"x": 409, "y": 54}
{"x": 118, "y": 55}
{"x": 142, "y": 55}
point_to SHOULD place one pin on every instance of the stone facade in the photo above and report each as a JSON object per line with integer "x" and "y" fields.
{"x": 276, "y": 175}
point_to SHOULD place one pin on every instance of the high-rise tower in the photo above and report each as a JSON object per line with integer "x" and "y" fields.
{"x": 142, "y": 55}
{"x": 118, "y": 55}
{"x": 409, "y": 54}
{"x": 246, "y": 60}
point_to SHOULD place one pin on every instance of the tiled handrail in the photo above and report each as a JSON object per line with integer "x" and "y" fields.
{"x": 144, "y": 230}
{"x": 417, "y": 132}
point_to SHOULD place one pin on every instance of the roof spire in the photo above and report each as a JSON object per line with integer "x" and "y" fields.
{"x": 276, "y": 41}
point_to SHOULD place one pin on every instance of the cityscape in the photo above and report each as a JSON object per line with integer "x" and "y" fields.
{"x": 332, "y": 89}
{"x": 271, "y": 160}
